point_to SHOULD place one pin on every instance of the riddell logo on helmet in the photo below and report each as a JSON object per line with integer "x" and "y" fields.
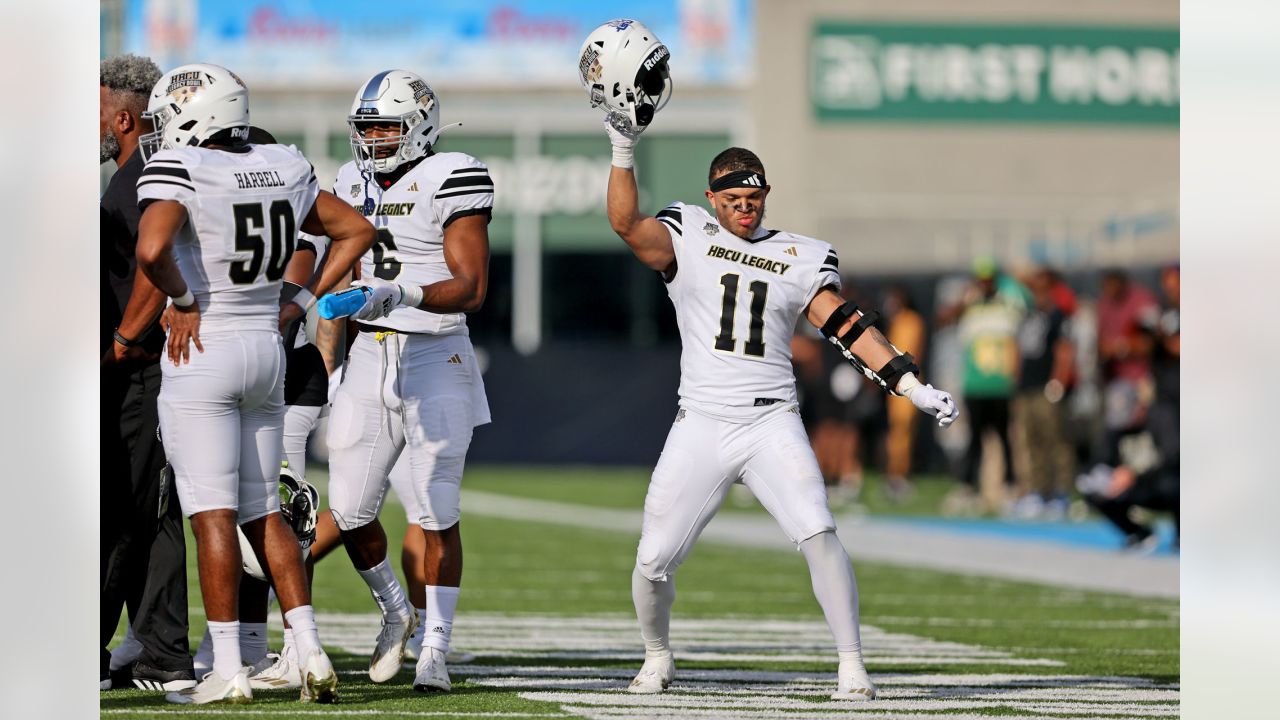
{"x": 658, "y": 56}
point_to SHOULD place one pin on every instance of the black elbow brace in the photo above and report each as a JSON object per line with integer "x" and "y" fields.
{"x": 889, "y": 375}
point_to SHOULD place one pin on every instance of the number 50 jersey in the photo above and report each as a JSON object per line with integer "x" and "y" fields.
{"x": 411, "y": 217}
{"x": 244, "y": 207}
{"x": 737, "y": 302}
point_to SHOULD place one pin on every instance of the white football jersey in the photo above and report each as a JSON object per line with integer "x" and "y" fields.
{"x": 737, "y": 302}
{"x": 411, "y": 217}
{"x": 244, "y": 208}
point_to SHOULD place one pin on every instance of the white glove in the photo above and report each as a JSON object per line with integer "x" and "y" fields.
{"x": 382, "y": 298}
{"x": 623, "y": 137}
{"x": 937, "y": 403}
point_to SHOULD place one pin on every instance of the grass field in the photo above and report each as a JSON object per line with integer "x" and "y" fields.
{"x": 546, "y": 611}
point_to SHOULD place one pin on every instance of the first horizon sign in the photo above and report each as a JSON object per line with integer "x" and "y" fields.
{"x": 998, "y": 73}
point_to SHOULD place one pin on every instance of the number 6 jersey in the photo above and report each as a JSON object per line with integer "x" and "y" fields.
{"x": 737, "y": 302}
{"x": 411, "y": 216}
{"x": 244, "y": 207}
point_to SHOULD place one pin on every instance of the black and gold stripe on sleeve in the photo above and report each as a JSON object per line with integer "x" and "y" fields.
{"x": 832, "y": 263}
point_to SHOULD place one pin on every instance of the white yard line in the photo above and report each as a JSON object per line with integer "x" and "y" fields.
{"x": 884, "y": 541}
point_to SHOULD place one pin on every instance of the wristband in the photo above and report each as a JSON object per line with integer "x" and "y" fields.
{"x": 411, "y": 296}
{"x": 124, "y": 341}
{"x": 624, "y": 157}
{"x": 186, "y": 300}
{"x": 303, "y": 299}
{"x": 907, "y": 384}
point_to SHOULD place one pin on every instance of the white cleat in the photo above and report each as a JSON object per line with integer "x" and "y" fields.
{"x": 388, "y": 655}
{"x": 214, "y": 689}
{"x": 413, "y": 648}
{"x": 319, "y": 681}
{"x": 855, "y": 684}
{"x": 655, "y": 675}
{"x": 275, "y": 672}
{"x": 433, "y": 672}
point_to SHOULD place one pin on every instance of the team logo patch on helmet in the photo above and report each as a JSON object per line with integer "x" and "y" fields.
{"x": 183, "y": 85}
{"x": 619, "y": 25}
{"x": 420, "y": 91}
{"x": 589, "y": 65}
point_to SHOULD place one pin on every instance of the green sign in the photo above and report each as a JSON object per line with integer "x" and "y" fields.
{"x": 998, "y": 73}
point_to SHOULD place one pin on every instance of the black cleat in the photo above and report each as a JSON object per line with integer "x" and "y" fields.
{"x": 145, "y": 677}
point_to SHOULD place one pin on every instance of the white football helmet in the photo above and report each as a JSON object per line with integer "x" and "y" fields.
{"x": 623, "y": 66}
{"x": 193, "y": 103}
{"x": 394, "y": 96}
{"x": 299, "y": 504}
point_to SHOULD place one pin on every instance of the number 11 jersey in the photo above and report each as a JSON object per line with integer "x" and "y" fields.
{"x": 737, "y": 302}
{"x": 411, "y": 216}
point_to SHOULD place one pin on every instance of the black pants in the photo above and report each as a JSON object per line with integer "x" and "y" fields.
{"x": 1154, "y": 490}
{"x": 144, "y": 556}
{"x": 987, "y": 413}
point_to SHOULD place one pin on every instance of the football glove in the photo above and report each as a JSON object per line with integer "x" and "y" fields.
{"x": 937, "y": 403}
{"x": 382, "y": 298}
{"x": 623, "y": 136}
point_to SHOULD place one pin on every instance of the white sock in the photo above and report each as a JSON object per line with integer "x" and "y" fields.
{"x": 127, "y": 651}
{"x": 836, "y": 590}
{"x": 305, "y": 637}
{"x": 226, "y": 648}
{"x": 204, "y": 654}
{"x": 437, "y": 618}
{"x": 288, "y": 645}
{"x": 253, "y": 642}
{"x": 386, "y": 590}
{"x": 653, "y": 601}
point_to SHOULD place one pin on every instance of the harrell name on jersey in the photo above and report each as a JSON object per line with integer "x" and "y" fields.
{"x": 737, "y": 302}
{"x": 411, "y": 217}
{"x": 244, "y": 207}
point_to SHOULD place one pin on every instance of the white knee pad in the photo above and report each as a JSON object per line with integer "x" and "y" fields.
{"x": 654, "y": 561}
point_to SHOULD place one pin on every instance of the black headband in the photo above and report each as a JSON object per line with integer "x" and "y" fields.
{"x": 738, "y": 179}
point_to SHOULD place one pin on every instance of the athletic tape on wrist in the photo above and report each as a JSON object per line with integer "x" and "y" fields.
{"x": 185, "y": 300}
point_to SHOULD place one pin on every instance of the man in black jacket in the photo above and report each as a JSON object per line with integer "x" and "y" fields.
{"x": 143, "y": 563}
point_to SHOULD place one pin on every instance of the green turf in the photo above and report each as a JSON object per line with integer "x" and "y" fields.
{"x": 625, "y": 488}
{"x": 542, "y": 568}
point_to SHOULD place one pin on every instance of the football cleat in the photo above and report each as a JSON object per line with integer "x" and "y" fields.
{"x": 655, "y": 675}
{"x": 433, "y": 672}
{"x": 275, "y": 672}
{"x": 319, "y": 681}
{"x": 145, "y": 677}
{"x": 388, "y": 655}
{"x": 854, "y": 684}
{"x": 214, "y": 689}
{"x": 413, "y": 648}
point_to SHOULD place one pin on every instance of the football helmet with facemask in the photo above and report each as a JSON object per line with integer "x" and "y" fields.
{"x": 393, "y": 97}
{"x": 623, "y": 67}
{"x": 193, "y": 103}
{"x": 299, "y": 504}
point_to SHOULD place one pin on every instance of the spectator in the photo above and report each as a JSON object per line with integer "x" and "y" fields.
{"x": 906, "y": 331}
{"x": 988, "y": 316}
{"x": 1047, "y": 373}
{"x": 1124, "y": 351}
{"x": 1116, "y": 491}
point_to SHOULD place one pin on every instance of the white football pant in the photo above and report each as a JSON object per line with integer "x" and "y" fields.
{"x": 221, "y": 417}
{"x": 702, "y": 459}
{"x": 416, "y": 394}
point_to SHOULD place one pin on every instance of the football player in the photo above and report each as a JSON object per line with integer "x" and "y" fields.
{"x": 738, "y": 289}
{"x": 412, "y": 385}
{"x": 219, "y": 222}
